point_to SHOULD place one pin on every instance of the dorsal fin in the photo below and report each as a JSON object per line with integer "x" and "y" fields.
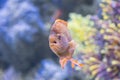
{"x": 62, "y": 21}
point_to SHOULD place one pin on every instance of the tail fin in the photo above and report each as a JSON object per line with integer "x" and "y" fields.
{"x": 63, "y": 62}
{"x": 75, "y": 62}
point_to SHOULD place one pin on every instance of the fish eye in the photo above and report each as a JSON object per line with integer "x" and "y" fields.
{"x": 54, "y": 42}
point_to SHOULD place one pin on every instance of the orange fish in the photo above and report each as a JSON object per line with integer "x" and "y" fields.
{"x": 61, "y": 43}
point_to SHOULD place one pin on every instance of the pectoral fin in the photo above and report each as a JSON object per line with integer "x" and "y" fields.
{"x": 72, "y": 46}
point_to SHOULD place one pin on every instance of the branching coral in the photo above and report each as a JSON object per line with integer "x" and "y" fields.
{"x": 82, "y": 31}
{"x": 102, "y": 63}
{"x": 106, "y": 64}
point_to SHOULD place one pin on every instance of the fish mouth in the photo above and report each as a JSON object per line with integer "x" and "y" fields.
{"x": 53, "y": 44}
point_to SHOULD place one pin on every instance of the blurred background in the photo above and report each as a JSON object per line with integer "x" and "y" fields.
{"x": 24, "y": 30}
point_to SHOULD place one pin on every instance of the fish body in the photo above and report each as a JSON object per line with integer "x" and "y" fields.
{"x": 61, "y": 43}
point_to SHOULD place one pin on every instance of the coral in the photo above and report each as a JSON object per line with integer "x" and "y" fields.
{"x": 102, "y": 63}
{"x": 22, "y": 40}
{"x": 82, "y": 32}
{"x": 106, "y": 63}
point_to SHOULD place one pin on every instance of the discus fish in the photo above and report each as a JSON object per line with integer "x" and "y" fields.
{"x": 61, "y": 43}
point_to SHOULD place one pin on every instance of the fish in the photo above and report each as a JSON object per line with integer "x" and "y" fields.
{"x": 62, "y": 44}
